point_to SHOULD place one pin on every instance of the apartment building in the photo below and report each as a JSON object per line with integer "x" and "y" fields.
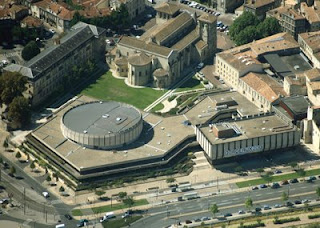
{"x": 260, "y": 7}
{"x": 46, "y": 71}
{"x": 134, "y": 7}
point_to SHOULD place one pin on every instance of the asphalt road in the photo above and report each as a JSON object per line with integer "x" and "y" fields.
{"x": 53, "y": 205}
{"x": 230, "y": 203}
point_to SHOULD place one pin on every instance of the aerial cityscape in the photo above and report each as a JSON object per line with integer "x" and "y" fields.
{"x": 159, "y": 113}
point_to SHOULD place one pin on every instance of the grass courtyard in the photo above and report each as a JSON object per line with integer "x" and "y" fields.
{"x": 191, "y": 84}
{"x": 109, "y": 88}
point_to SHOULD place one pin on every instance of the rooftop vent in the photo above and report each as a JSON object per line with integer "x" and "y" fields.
{"x": 118, "y": 118}
{"x": 85, "y": 132}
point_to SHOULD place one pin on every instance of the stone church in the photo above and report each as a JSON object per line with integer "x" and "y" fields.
{"x": 161, "y": 54}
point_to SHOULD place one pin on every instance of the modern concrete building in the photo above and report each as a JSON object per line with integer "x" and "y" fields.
{"x": 246, "y": 135}
{"x": 161, "y": 55}
{"x": 46, "y": 71}
{"x": 102, "y": 125}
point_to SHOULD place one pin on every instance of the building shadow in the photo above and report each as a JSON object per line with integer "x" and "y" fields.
{"x": 146, "y": 136}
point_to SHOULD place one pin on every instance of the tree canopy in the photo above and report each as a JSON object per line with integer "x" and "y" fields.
{"x": 30, "y": 50}
{"x": 12, "y": 84}
{"x": 19, "y": 111}
{"x": 248, "y": 27}
{"x": 118, "y": 19}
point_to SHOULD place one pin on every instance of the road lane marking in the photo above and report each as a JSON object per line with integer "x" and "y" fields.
{"x": 259, "y": 195}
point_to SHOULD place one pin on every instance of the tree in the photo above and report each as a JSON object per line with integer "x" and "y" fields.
{"x": 268, "y": 27}
{"x": 32, "y": 166}
{"x": 18, "y": 155}
{"x": 1, "y": 160}
{"x": 242, "y": 22}
{"x": 238, "y": 169}
{"x": 267, "y": 178}
{"x": 5, "y": 143}
{"x": 248, "y": 203}
{"x": 19, "y": 111}
{"x": 12, "y": 171}
{"x": 12, "y": 84}
{"x": 122, "y": 195}
{"x": 260, "y": 170}
{"x": 170, "y": 180}
{"x": 284, "y": 197}
{"x": 128, "y": 201}
{"x": 99, "y": 193}
{"x": 301, "y": 172}
{"x": 246, "y": 35}
{"x": 293, "y": 165}
{"x": 30, "y": 50}
{"x": 48, "y": 179}
{"x": 214, "y": 209}
{"x": 318, "y": 192}
{"x": 61, "y": 189}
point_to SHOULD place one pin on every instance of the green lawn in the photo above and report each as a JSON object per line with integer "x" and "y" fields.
{"x": 277, "y": 178}
{"x": 108, "y": 208}
{"x": 118, "y": 223}
{"x": 192, "y": 83}
{"x": 109, "y": 88}
{"x": 158, "y": 107}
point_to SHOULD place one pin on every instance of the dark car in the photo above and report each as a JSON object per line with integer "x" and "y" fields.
{"x": 188, "y": 221}
{"x": 289, "y": 204}
{"x": 292, "y": 181}
{"x": 275, "y": 185}
{"x": 254, "y": 188}
{"x": 297, "y": 202}
{"x": 258, "y": 209}
{"x": 197, "y": 220}
{"x": 227, "y": 215}
{"x": 312, "y": 178}
{"x": 68, "y": 216}
{"x": 263, "y": 186}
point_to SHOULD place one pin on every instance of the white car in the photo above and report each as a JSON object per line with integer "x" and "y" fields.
{"x": 45, "y": 194}
{"x": 200, "y": 65}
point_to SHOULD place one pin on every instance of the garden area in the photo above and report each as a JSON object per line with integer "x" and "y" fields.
{"x": 191, "y": 84}
{"x": 118, "y": 223}
{"x": 109, "y": 88}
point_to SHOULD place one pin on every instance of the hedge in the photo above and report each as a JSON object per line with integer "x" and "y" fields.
{"x": 286, "y": 220}
{"x": 314, "y": 216}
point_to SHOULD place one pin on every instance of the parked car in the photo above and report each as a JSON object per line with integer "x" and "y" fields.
{"x": 297, "y": 202}
{"x": 197, "y": 220}
{"x": 285, "y": 182}
{"x": 266, "y": 207}
{"x": 305, "y": 201}
{"x": 258, "y": 209}
{"x": 292, "y": 181}
{"x": 277, "y": 171}
{"x": 263, "y": 186}
{"x": 277, "y": 206}
{"x": 200, "y": 65}
{"x": 275, "y": 185}
{"x": 205, "y": 219}
{"x": 227, "y": 215}
{"x": 289, "y": 204}
{"x": 254, "y": 188}
{"x": 45, "y": 194}
{"x": 313, "y": 178}
{"x": 240, "y": 212}
{"x": 188, "y": 221}
{"x": 68, "y": 216}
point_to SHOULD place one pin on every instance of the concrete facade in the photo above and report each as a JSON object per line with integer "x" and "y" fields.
{"x": 46, "y": 71}
{"x": 274, "y": 135}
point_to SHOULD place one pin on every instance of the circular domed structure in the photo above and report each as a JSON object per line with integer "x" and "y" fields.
{"x": 139, "y": 69}
{"x": 102, "y": 125}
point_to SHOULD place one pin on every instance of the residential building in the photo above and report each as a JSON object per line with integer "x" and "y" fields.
{"x": 290, "y": 20}
{"x": 46, "y": 71}
{"x": 31, "y": 22}
{"x": 312, "y": 15}
{"x": 295, "y": 85}
{"x": 53, "y": 13}
{"x": 228, "y": 6}
{"x": 235, "y": 63}
{"x": 313, "y": 86}
{"x": 260, "y": 7}
{"x": 160, "y": 56}
{"x": 134, "y": 7}
{"x": 261, "y": 89}
{"x": 309, "y": 44}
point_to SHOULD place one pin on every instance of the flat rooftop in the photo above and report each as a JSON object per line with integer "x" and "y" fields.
{"x": 101, "y": 118}
{"x": 297, "y": 63}
{"x": 205, "y": 109}
{"x": 250, "y": 128}
{"x": 158, "y": 136}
